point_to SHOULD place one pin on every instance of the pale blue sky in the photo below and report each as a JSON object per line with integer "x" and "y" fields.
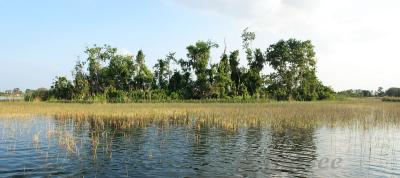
{"x": 42, "y": 39}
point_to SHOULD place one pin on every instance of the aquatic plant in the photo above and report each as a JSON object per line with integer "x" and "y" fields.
{"x": 363, "y": 113}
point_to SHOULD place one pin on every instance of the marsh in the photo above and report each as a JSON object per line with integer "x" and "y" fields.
{"x": 295, "y": 139}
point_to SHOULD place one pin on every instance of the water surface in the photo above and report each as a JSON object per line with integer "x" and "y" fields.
{"x": 90, "y": 148}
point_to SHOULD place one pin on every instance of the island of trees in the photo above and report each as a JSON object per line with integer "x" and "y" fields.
{"x": 108, "y": 76}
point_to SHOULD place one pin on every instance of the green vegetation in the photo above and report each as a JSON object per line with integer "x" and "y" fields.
{"x": 294, "y": 77}
{"x": 389, "y": 94}
{"x": 391, "y": 99}
{"x": 107, "y": 76}
{"x": 357, "y": 93}
{"x": 37, "y": 95}
{"x": 393, "y": 92}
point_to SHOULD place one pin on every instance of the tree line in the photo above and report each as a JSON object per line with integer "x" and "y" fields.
{"x": 13, "y": 92}
{"x": 107, "y": 75}
{"x": 391, "y": 92}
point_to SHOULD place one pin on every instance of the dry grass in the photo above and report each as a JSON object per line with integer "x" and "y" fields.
{"x": 363, "y": 113}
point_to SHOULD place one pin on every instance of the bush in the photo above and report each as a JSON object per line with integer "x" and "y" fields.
{"x": 40, "y": 94}
{"x": 176, "y": 96}
{"x": 98, "y": 98}
{"x": 136, "y": 95}
{"x": 325, "y": 93}
{"x": 158, "y": 95}
{"x": 116, "y": 96}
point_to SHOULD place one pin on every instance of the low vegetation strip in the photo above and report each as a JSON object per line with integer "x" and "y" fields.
{"x": 391, "y": 99}
{"x": 231, "y": 115}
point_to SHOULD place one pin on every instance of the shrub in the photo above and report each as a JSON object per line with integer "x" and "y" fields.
{"x": 40, "y": 94}
{"x": 116, "y": 96}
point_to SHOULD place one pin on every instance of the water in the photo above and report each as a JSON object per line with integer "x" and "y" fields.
{"x": 39, "y": 147}
{"x": 10, "y": 98}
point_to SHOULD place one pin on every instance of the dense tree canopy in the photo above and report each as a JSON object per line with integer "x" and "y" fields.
{"x": 105, "y": 74}
{"x": 395, "y": 92}
{"x": 294, "y": 75}
{"x": 199, "y": 57}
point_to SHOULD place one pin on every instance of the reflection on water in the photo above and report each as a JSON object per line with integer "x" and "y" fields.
{"x": 90, "y": 148}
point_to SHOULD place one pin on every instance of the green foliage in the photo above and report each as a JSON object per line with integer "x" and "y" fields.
{"x": 222, "y": 79}
{"x": 380, "y": 92}
{"x": 294, "y": 75}
{"x": 162, "y": 71}
{"x": 106, "y": 76}
{"x": 40, "y": 94}
{"x": 159, "y": 95}
{"x": 181, "y": 85}
{"x": 252, "y": 81}
{"x": 356, "y": 93}
{"x": 120, "y": 72}
{"x": 247, "y": 38}
{"x": 199, "y": 56}
{"x": 62, "y": 89}
{"x": 98, "y": 98}
{"x": 116, "y": 96}
{"x": 143, "y": 76}
{"x": 81, "y": 84}
{"x": 325, "y": 92}
{"x": 244, "y": 93}
{"x": 393, "y": 92}
{"x": 97, "y": 73}
{"x": 235, "y": 72}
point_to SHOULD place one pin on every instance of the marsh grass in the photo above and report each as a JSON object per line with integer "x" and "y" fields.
{"x": 103, "y": 120}
{"x": 363, "y": 113}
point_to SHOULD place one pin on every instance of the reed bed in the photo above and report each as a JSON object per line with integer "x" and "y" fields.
{"x": 363, "y": 113}
{"x": 103, "y": 120}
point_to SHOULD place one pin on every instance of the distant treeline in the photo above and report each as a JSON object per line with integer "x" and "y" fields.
{"x": 16, "y": 92}
{"x": 107, "y": 75}
{"x": 391, "y": 92}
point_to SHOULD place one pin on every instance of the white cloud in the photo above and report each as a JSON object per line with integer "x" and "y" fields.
{"x": 356, "y": 40}
{"x": 124, "y": 52}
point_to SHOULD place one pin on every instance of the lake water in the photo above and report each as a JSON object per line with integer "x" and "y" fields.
{"x": 8, "y": 98}
{"x": 52, "y": 147}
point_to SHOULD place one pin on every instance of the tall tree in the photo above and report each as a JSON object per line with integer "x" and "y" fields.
{"x": 62, "y": 88}
{"x": 223, "y": 80}
{"x": 143, "y": 75}
{"x": 256, "y": 60}
{"x": 380, "y": 92}
{"x": 162, "y": 71}
{"x": 120, "y": 72}
{"x": 253, "y": 79}
{"x": 97, "y": 73}
{"x": 294, "y": 64}
{"x": 181, "y": 82}
{"x": 81, "y": 84}
{"x": 235, "y": 71}
{"x": 199, "y": 56}
{"x": 247, "y": 39}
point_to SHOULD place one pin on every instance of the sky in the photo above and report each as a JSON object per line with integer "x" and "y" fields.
{"x": 356, "y": 41}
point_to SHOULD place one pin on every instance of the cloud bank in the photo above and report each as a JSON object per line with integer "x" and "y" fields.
{"x": 356, "y": 40}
